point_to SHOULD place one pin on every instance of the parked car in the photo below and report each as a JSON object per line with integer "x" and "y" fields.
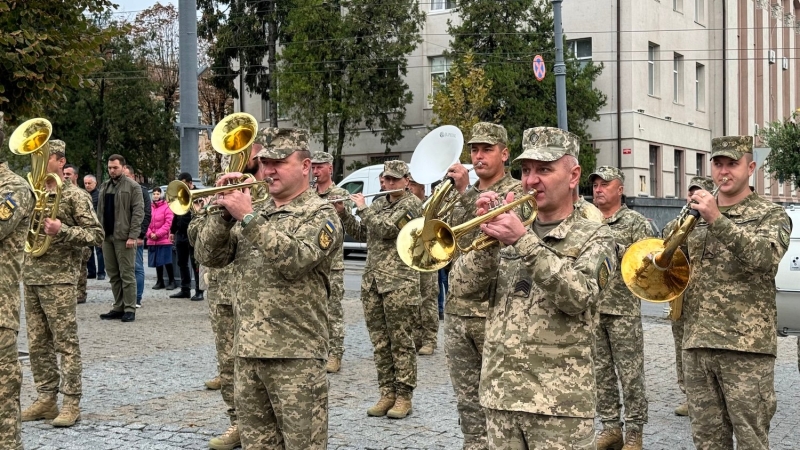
{"x": 787, "y": 280}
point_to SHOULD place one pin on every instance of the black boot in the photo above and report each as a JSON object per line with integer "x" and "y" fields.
{"x": 129, "y": 317}
{"x": 184, "y": 293}
{"x": 198, "y": 296}
{"x": 172, "y": 285}
{"x": 112, "y": 315}
{"x": 159, "y": 285}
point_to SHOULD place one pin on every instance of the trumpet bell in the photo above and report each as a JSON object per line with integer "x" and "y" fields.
{"x": 234, "y": 133}
{"x": 648, "y": 281}
{"x": 30, "y": 136}
{"x": 415, "y": 252}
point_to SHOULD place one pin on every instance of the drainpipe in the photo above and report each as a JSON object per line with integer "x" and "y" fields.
{"x": 619, "y": 84}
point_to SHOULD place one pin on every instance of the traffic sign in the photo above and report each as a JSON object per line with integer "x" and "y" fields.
{"x": 538, "y": 67}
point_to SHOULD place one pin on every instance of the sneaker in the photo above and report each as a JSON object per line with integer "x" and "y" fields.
{"x": 182, "y": 294}
{"x": 198, "y": 297}
{"x": 159, "y": 286}
{"x": 227, "y": 441}
{"x": 112, "y": 315}
{"x": 138, "y": 305}
{"x": 129, "y": 317}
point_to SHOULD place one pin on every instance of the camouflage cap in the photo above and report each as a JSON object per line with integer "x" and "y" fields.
{"x": 733, "y": 147}
{"x": 608, "y": 173}
{"x": 548, "y": 144}
{"x": 321, "y": 158}
{"x": 488, "y": 133}
{"x": 396, "y": 168}
{"x": 281, "y": 142}
{"x": 702, "y": 183}
{"x": 57, "y": 146}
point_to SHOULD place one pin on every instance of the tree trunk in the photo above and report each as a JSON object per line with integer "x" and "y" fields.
{"x": 340, "y": 138}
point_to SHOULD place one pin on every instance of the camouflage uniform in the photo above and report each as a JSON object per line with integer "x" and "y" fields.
{"x": 50, "y": 295}
{"x": 427, "y": 330}
{"x": 280, "y": 344}
{"x": 588, "y": 211}
{"x": 468, "y": 301}
{"x": 16, "y": 207}
{"x": 84, "y": 269}
{"x": 389, "y": 288}
{"x": 619, "y": 334}
{"x": 537, "y": 379}
{"x": 730, "y": 345}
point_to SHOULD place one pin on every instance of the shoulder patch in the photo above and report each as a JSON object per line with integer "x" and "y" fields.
{"x": 407, "y": 217}
{"x": 7, "y": 207}
{"x": 604, "y": 273}
{"x": 326, "y": 235}
{"x": 784, "y": 234}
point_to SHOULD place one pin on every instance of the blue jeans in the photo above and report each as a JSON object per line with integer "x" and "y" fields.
{"x": 444, "y": 286}
{"x": 100, "y": 269}
{"x": 139, "y": 271}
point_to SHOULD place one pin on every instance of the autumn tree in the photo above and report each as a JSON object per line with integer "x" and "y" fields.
{"x": 155, "y": 41}
{"x": 783, "y": 139}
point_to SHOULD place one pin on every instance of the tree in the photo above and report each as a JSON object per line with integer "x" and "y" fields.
{"x": 155, "y": 41}
{"x": 46, "y": 48}
{"x": 342, "y": 69}
{"x": 526, "y": 30}
{"x": 783, "y": 139}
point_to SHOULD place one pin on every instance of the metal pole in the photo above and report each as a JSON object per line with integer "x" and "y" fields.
{"x": 560, "y": 69}
{"x": 188, "y": 126}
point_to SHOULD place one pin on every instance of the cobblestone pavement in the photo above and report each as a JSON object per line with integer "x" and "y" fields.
{"x": 143, "y": 385}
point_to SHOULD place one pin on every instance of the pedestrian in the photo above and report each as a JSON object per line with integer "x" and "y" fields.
{"x": 620, "y": 338}
{"x": 94, "y": 270}
{"x": 140, "y": 242}
{"x": 159, "y": 247}
{"x": 121, "y": 211}
{"x": 537, "y": 382}
{"x": 15, "y": 216}
{"x": 729, "y": 343}
{"x": 426, "y": 331}
{"x": 284, "y": 249}
{"x": 184, "y": 249}
{"x": 50, "y": 308}
{"x": 389, "y": 288}
{"x": 71, "y": 176}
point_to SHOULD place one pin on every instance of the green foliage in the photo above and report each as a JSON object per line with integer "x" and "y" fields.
{"x": 342, "y": 65}
{"x": 46, "y": 48}
{"x": 505, "y": 36}
{"x": 783, "y": 139}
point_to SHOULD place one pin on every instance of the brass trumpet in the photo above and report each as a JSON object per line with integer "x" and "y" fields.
{"x": 180, "y": 197}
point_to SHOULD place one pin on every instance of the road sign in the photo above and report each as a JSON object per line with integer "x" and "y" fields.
{"x": 538, "y": 67}
{"x": 626, "y": 151}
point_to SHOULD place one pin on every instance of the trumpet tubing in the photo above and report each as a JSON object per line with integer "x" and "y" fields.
{"x": 342, "y": 199}
{"x": 180, "y": 197}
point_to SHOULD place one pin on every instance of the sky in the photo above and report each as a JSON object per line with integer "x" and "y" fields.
{"x": 138, "y": 5}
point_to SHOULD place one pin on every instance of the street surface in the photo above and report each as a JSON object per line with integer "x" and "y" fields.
{"x": 143, "y": 384}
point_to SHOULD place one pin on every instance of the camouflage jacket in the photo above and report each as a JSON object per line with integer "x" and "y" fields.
{"x": 16, "y": 207}
{"x": 334, "y": 191}
{"x": 284, "y": 255}
{"x": 379, "y": 226}
{"x": 222, "y": 282}
{"x": 730, "y": 301}
{"x": 537, "y": 356}
{"x": 627, "y": 226}
{"x": 588, "y": 211}
{"x": 472, "y": 281}
{"x": 80, "y": 228}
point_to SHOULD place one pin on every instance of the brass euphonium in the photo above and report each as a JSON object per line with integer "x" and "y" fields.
{"x": 31, "y": 138}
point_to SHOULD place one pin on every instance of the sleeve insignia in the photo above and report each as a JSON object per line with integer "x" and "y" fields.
{"x": 523, "y": 286}
{"x": 326, "y": 235}
{"x": 603, "y": 273}
{"x": 407, "y": 217}
{"x": 7, "y": 208}
{"x": 784, "y": 234}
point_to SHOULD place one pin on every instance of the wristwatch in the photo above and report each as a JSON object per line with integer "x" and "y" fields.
{"x": 247, "y": 218}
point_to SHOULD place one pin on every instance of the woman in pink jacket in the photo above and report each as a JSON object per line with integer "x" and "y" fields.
{"x": 159, "y": 247}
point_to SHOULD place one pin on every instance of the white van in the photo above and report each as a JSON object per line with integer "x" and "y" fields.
{"x": 788, "y": 280}
{"x": 367, "y": 181}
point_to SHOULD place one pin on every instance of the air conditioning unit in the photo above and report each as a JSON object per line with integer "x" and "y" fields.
{"x": 772, "y": 57}
{"x": 785, "y": 63}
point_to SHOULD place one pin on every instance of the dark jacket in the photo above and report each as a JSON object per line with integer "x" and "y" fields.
{"x": 147, "y": 212}
{"x": 180, "y": 227}
{"x": 95, "y": 196}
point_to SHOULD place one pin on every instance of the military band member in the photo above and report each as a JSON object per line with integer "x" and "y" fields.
{"x": 587, "y": 210}
{"x": 620, "y": 338}
{"x": 426, "y": 330}
{"x": 16, "y": 206}
{"x": 729, "y": 344}
{"x": 389, "y": 289}
{"x": 468, "y": 302}
{"x": 50, "y": 301}
{"x": 537, "y": 380}
{"x": 322, "y": 169}
{"x": 71, "y": 176}
{"x": 284, "y": 249}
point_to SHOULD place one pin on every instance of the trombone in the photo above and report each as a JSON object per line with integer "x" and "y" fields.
{"x": 180, "y": 198}
{"x": 342, "y": 199}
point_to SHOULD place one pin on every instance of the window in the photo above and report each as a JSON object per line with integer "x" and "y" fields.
{"x": 652, "y": 69}
{"x": 353, "y": 187}
{"x": 678, "y": 168}
{"x": 581, "y": 49}
{"x": 440, "y": 66}
{"x": 677, "y": 5}
{"x": 700, "y": 87}
{"x": 700, "y": 167}
{"x": 699, "y": 11}
{"x": 265, "y": 111}
{"x": 441, "y": 5}
{"x": 677, "y": 78}
{"x": 767, "y": 183}
{"x": 653, "y": 170}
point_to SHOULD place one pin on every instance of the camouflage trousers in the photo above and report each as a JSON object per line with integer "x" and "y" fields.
{"x": 390, "y": 318}
{"x": 620, "y": 356}
{"x": 222, "y": 324}
{"x": 282, "y": 403}
{"x": 730, "y": 393}
{"x": 10, "y": 384}
{"x": 463, "y": 345}
{"x": 336, "y": 314}
{"x": 84, "y": 272}
{"x": 53, "y": 328}
{"x": 426, "y": 329}
{"x": 515, "y": 430}
{"x": 677, "y": 335}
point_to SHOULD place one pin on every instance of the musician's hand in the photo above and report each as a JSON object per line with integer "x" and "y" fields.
{"x": 460, "y": 176}
{"x": 198, "y": 204}
{"x": 359, "y": 200}
{"x": 338, "y": 206}
{"x": 130, "y": 243}
{"x": 489, "y": 200}
{"x": 229, "y": 178}
{"x": 706, "y": 205}
{"x": 51, "y": 227}
{"x": 238, "y": 203}
{"x": 506, "y": 228}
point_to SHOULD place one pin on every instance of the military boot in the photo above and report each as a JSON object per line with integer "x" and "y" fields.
{"x": 633, "y": 440}
{"x": 334, "y": 364}
{"x": 226, "y": 441}
{"x": 401, "y": 408}
{"x": 610, "y": 439}
{"x": 385, "y": 403}
{"x": 70, "y": 412}
{"x": 682, "y": 409}
{"x": 426, "y": 349}
{"x": 45, "y": 407}
{"x": 214, "y": 384}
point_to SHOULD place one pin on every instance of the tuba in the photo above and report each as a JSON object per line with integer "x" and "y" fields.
{"x": 31, "y": 138}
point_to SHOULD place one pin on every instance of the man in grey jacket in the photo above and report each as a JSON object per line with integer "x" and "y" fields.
{"x": 121, "y": 210}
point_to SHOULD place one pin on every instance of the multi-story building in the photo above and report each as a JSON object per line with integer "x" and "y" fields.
{"x": 676, "y": 72}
